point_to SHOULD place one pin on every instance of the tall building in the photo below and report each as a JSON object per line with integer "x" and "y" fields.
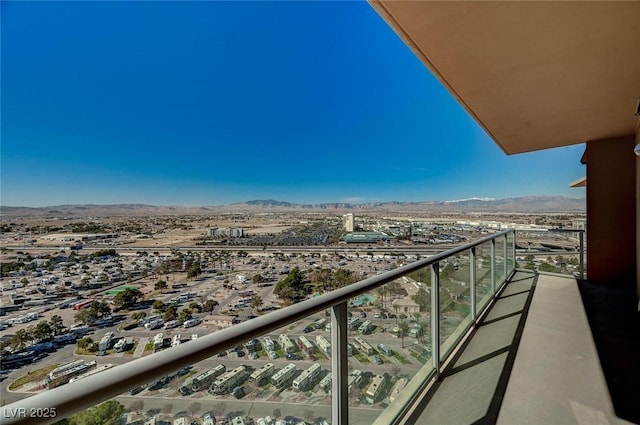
{"x": 349, "y": 222}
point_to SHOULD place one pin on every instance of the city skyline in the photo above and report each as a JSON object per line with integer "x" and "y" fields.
{"x": 213, "y": 103}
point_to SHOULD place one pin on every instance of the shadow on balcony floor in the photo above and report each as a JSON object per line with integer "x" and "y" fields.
{"x": 472, "y": 387}
{"x": 615, "y": 325}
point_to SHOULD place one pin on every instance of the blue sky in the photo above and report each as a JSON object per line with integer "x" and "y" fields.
{"x": 208, "y": 103}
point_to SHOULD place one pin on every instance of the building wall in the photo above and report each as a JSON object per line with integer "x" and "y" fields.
{"x": 611, "y": 211}
{"x": 638, "y": 215}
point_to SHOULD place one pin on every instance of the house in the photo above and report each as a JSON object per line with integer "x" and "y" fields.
{"x": 405, "y": 305}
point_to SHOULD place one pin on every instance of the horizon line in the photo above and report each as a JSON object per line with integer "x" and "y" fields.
{"x": 270, "y": 200}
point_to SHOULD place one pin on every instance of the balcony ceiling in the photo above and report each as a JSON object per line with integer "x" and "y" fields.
{"x": 535, "y": 75}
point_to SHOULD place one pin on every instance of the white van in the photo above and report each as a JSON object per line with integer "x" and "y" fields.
{"x": 192, "y": 322}
{"x": 171, "y": 324}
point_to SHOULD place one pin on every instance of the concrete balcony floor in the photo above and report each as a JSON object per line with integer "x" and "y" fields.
{"x": 532, "y": 360}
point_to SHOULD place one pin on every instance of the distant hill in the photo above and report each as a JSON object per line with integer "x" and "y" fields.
{"x": 533, "y": 204}
{"x": 92, "y": 210}
{"x": 516, "y": 205}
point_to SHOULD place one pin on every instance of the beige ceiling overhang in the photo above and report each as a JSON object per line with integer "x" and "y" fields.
{"x": 581, "y": 182}
{"x": 534, "y": 75}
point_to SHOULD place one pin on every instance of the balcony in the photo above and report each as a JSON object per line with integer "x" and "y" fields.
{"x": 475, "y": 341}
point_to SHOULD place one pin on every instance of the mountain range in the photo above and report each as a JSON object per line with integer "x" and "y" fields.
{"x": 525, "y": 204}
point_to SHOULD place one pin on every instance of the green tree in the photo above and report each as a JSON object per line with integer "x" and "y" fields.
{"x": 291, "y": 288}
{"x": 105, "y": 253}
{"x": 138, "y": 315}
{"x": 209, "y": 305}
{"x": 423, "y": 275}
{"x": 86, "y": 316}
{"x": 382, "y": 292}
{"x": 170, "y": 313}
{"x": 158, "y": 305}
{"x": 573, "y": 261}
{"x": 193, "y": 270}
{"x": 84, "y": 343}
{"x": 447, "y": 272}
{"x": 127, "y": 298}
{"x": 256, "y": 302}
{"x": 103, "y": 308}
{"x": 194, "y": 306}
{"x": 321, "y": 279}
{"x": 107, "y": 413}
{"x": 394, "y": 288}
{"x": 42, "y": 331}
{"x": 160, "y": 285}
{"x": 404, "y": 329}
{"x": 185, "y": 315}
{"x": 344, "y": 277}
{"x": 20, "y": 339}
{"x": 545, "y": 267}
{"x": 56, "y": 324}
{"x": 422, "y": 298}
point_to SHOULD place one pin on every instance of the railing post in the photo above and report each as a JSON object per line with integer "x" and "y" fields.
{"x": 504, "y": 258}
{"x": 339, "y": 369}
{"x": 435, "y": 318}
{"x": 581, "y": 269}
{"x": 472, "y": 283}
{"x": 493, "y": 267}
{"x": 513, "y": 250}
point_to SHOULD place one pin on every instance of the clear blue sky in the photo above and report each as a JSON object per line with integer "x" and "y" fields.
{"x": 208, "y": 103}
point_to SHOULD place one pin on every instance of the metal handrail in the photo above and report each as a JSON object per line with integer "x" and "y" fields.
{"x": 79, "y": 395}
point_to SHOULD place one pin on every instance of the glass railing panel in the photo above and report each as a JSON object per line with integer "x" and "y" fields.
{"x": 399, "y": 339}
{"x": 483, "y": 275}
{"x": 270, "y": 377}
{"x": 286, "y": 376}
{"x": 455, "y": 300}
{"x": 390, "y": 346}
{"x": 499, "y": 261}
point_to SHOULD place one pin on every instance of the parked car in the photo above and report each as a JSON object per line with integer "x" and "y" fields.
{"x": 238, "y": 392}
{"x": 185, "y": 390}
{"x": 137, "y": 390}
